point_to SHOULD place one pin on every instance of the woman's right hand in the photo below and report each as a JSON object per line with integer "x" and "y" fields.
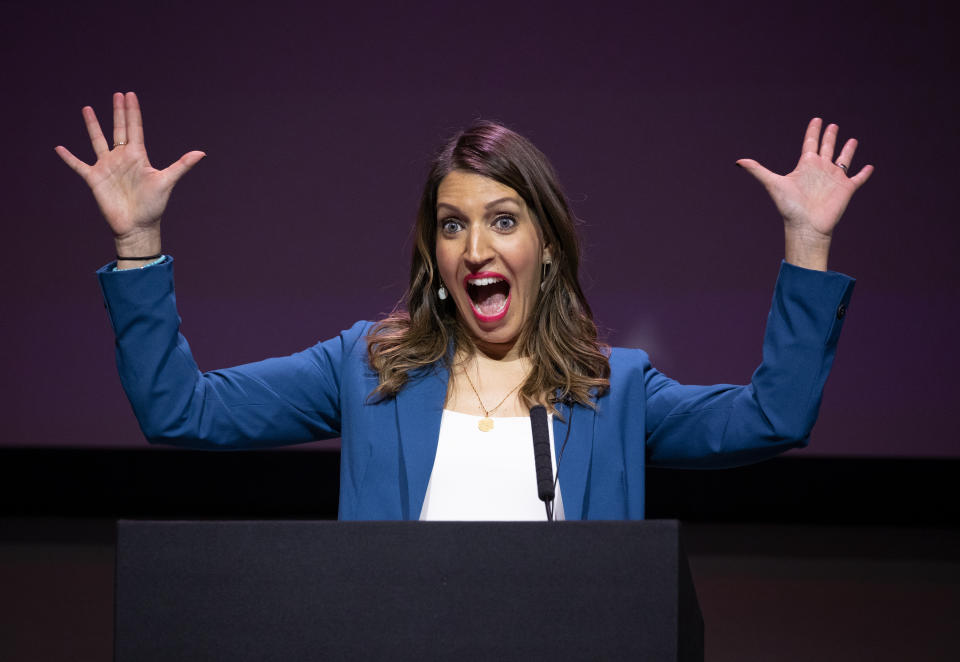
{"x": 131, "y": 193}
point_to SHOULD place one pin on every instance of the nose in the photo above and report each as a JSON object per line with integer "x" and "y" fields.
{"x": 478, "y": 250}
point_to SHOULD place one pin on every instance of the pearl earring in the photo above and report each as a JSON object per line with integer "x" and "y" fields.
{"x": 543, "y": 280}
{"x": 442, "y": 293}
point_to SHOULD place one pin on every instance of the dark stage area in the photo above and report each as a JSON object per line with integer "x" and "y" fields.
{"x": 167, "y": 483}
{"x": 794, "y": 559}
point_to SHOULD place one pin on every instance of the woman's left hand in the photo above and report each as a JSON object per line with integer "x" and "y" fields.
{"x": 813, "y": 197}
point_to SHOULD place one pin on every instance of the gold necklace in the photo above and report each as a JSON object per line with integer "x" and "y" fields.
{"x": 485, "y": 424}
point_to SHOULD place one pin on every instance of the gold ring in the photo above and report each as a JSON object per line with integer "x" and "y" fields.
{"x": 120, "y": 143}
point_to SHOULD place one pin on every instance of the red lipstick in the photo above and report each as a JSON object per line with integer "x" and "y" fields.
{"x": 490, "y": 279}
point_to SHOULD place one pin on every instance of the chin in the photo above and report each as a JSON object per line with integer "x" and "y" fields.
{"x": 500, "y": 332}
{"x": 499, "y": 337}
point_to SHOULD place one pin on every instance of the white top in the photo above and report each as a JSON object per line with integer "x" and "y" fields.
{"x": 487, "y": 476}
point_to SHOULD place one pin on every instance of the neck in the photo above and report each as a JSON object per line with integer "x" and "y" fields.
{"x": 491, "y": 382}
{"x": 492, "y": 361}
{"x": 506, "y": 352}
{"x": 495, "y": 351}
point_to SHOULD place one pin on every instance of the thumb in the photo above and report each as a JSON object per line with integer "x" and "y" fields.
{"x": 179, "y": 168}
{"x": 761, "y": 174}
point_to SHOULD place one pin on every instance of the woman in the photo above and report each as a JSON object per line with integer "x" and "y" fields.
{"x": 432, "y": 404}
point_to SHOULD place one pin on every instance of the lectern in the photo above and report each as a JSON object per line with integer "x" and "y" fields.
{"x": 307, "y": 590}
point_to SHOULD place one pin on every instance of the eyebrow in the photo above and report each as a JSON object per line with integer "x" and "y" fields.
{"x": 492, "y": 203}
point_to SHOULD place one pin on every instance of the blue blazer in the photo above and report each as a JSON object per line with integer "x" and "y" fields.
{"x": 388, "y": 446}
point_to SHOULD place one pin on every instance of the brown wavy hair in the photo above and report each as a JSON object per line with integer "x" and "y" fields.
{"x": 560, "y": 336}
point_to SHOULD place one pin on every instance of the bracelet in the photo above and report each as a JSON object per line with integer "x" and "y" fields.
{"x": 146, "y": 265}
{"x": 148, "y": 257}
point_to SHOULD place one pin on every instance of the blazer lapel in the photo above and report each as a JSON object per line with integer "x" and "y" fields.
{"x": 573, "y": 468}
{"x": 419, "y": 411}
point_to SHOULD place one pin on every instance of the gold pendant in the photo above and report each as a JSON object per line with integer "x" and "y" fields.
{"x": 485, "y": 424}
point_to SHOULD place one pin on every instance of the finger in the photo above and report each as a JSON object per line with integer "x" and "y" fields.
{"x": 119, "y": 120}
{"x": 846, "y": 154}
{"x": 180, "y": 167}
{"x": 811, "y": 140}
{"x": 829, "y": 141}
{"x": 78, "y": 166}
{"x": 762, "y": 175}
{"x": 134, "y": 119}
{"x": 99, "y": 143}
{"x": 862, "y": 176}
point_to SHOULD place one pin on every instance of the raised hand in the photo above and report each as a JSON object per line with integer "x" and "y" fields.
{"x": 131, "y": 193}
{"x": 813, "y": 197}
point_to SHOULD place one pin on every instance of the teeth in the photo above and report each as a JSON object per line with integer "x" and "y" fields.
{"x": 484, "y": 281}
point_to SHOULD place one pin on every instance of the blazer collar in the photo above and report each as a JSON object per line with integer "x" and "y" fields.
{"x": 419, "y": 413}
{"x": 573, "y": 466}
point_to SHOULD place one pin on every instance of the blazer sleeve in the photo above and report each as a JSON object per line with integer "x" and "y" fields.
{"x": 278, "y": 401}
{"x": 726, "y": 425}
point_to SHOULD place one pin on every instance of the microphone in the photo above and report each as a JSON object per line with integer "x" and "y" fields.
{"x": 541, "y": 457}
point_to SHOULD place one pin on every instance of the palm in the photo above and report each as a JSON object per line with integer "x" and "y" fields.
{"x": 813, "y": 197}
{"x": 131, "y": 193}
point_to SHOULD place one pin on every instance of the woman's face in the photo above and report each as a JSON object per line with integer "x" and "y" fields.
{"x": 489, "y": 252}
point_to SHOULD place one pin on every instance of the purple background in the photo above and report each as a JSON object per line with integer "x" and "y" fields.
{"x": 319, "y": 123}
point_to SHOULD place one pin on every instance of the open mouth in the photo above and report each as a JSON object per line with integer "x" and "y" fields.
{"x": 489, "y": 295}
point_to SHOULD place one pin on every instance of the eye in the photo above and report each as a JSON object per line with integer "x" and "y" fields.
{"x": 450, "y": 226}
{"x": 505, "y": 222}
